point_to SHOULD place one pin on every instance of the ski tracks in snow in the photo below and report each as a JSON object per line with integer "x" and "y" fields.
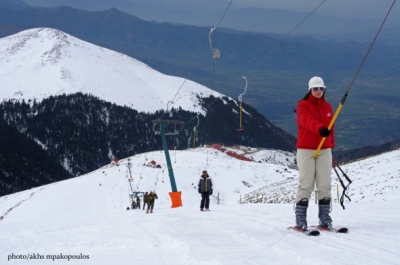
{"x": 18, "y": 203}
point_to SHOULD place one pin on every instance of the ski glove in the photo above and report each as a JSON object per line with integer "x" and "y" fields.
{"x": 324, "y": 132}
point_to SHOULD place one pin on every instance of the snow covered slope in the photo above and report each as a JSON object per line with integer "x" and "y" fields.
{"x": 41, "y": 62}
{"x": 375, "y": 179}
{"x": 87, "y": 217}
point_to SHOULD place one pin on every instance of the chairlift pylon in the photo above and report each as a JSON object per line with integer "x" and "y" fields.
{"x": 175, "y": 194}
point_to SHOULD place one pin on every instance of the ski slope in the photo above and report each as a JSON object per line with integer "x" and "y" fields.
{"x": 86, "y": 216}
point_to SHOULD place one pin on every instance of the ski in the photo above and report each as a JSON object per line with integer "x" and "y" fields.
{"x": 306, "y": 232}
{"x": 342, "y": 230}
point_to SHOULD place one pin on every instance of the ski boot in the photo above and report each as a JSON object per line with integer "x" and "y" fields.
{"x": 301, "y": 214}
{"x": 325, "y": 221}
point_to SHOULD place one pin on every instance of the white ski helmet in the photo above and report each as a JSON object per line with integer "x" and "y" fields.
{"x": 316, "y": 81}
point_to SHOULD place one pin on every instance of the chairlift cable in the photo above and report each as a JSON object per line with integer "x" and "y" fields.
{"x": 141, "y": 173}
{"x": 276, "y": 46}
{"x": 213, "y": 29}
{"x": 352, "y": 81}
{"x": 198, "y": 57}
{"x": 290, "y": 32}
{"x": 226, "y": 10}
{"x": 197, "y": 60}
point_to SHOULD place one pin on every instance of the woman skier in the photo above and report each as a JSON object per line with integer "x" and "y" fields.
{"x": 313, "y": 117}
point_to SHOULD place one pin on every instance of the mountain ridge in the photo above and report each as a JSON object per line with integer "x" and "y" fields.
{"x": 240, "y": 17}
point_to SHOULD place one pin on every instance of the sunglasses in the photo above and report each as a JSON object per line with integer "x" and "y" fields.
{"x": 320, "y": 88}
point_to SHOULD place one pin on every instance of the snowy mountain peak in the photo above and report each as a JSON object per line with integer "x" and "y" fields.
{"x": 49, "y": 37}
{"x": 43, "y": 62}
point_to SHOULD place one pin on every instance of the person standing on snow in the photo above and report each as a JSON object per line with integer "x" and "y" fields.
{"x": 314, "y": 115}
{"x": 150, "y": 202}
{"x": 205, "y": 189}
{"x": 145, "y": 199}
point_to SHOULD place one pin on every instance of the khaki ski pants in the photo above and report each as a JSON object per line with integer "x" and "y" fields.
{"x": 314, "y": 172}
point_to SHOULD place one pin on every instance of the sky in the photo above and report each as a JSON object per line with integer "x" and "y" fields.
{"x": 338, "y": 8}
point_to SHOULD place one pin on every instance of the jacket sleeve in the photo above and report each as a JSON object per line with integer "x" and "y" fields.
{"x": 198, "y": 185}
{"x": 307, "y": 120}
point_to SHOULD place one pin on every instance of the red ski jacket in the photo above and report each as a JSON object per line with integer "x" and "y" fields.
{"x": 312, "y": 115}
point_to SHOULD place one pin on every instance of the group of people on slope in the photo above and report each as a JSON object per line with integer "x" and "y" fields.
{"x": 205, "y": 188}
{"x": 149, "y": 199}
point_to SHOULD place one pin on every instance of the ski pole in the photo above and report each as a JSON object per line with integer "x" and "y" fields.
{"x": 337, "y": 193}
{"x": 355, "y": 76}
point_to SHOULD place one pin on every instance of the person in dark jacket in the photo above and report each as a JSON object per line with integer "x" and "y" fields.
{"x": 152, "y": 197}
{"x": 314, "y": 115}
{"x": 145, "y": 199}
{"x": 205, "y": 188}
